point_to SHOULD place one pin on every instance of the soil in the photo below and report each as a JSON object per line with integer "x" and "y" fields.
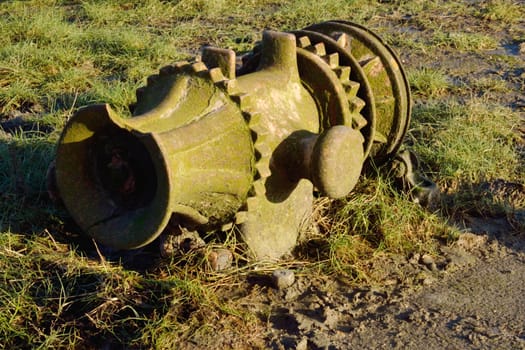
{"x": 470, "y": 295}
{"x": 473, "y": 297}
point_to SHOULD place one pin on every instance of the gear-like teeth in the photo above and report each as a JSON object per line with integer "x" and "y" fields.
{"x": 247, "y": 116}
{"x": 372, "y": 66}
{"x": 198, "y": 67}
{"x": 259, "y": 188}
{"x": 241, "y": 99}
{"x": 259, "y": 129}
{"x": 263, "y": 169}
{"x": 358, "y": 121}
{"x": 241, "y": 217}
{"x": 343, "y": 73}
{"x": 229, "y": 86}
{"x": 252, "y": 202}
{"x": 351, "y": 88}
{"x": 342, "y": 39}
{"x": 379, "y": 137}
{"x": 303, "y": 42}
{"x": 227, "y": 227}
{"x": 224, "y": 59}
{"x": 319, "y": 49}
{"x": 180, "y": 65}
{"x": 356, "y": 104}
{"x": 263, "y": 149}
{"x": 216, "y": 75}
{"x": 332, "y": 60}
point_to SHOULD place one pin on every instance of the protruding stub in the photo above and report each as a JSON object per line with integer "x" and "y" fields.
{"x": 283, "y": 278}
{"x": 279, "y": 51}
{"x": 219, "y": 259}
{"x": 332, "y": 161}
{"x": 224, "y": 59}
{"x": 337, "y": 160}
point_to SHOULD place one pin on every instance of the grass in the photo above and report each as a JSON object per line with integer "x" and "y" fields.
{"x": 471, "y": 142}
{"x": 57, "y": 291}
{"x": 428, "y": 82}
{"x": 464, "y": 41}
{"x": 506, "y": 11}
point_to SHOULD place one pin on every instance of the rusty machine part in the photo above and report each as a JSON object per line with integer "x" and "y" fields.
{"x": 213, "y": 143}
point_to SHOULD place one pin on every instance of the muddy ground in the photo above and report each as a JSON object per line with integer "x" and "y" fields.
{"x": 472, "y": 298}
{"x": 471, "y": 295}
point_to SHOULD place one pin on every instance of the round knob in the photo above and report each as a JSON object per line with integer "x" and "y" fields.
{"x": 337, "y": 160}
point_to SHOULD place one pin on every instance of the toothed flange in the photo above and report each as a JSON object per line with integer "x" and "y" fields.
{"x": 356, "y": 103}
{"x": 388, "y": 82}
{"x": 335, "y": 80}
{"x": 276, "y": 208}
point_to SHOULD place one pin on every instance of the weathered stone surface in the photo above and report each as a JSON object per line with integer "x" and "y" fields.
{"x": 209, "y": 144}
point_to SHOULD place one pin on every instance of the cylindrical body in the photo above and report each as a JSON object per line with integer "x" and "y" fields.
{"x": 122, "y": 179}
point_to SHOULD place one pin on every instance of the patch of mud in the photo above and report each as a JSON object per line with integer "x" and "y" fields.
{"x": 473, "y": 298}
{"x": 470, "y": 295}
{"x": 478, "y": 307}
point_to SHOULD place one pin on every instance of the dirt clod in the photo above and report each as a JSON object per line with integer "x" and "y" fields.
{"x": 283, "y": 279}
{"x": 220, "y": 259}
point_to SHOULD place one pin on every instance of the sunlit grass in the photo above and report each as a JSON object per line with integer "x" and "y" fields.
{"x": 428, "y": 82}
{"x": 464, "y": 41}
{"x": 467, "y": 142}
{"x": 506, "y": 11}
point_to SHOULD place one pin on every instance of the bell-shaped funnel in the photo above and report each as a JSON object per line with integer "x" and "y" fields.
{"x": 122, "y": 183}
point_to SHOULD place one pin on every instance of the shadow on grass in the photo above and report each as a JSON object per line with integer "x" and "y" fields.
{"x": 24, "y": 159}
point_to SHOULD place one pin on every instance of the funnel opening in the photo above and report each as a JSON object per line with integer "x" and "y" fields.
{"x": 113, "y": 180}
{"x": 123, "y": 167}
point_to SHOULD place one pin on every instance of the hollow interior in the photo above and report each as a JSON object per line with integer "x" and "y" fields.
{"x": 121, "y": 166}
{"x": 113, "y": 182}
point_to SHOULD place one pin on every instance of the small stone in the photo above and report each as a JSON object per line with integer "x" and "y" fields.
{"x": 321, "y": 340}
{"x": 180, "y": 241}
{"x": 331, "y": 318}
{"x": 220, "y": 259}
{"x": 302, "y": 345}
{"x": 283, "y": 278}
{"x": 415, "y": 259}
{"x": 427, "y": 260}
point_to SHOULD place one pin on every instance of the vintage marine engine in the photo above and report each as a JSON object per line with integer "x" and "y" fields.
{"x": 215, "y": 142}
